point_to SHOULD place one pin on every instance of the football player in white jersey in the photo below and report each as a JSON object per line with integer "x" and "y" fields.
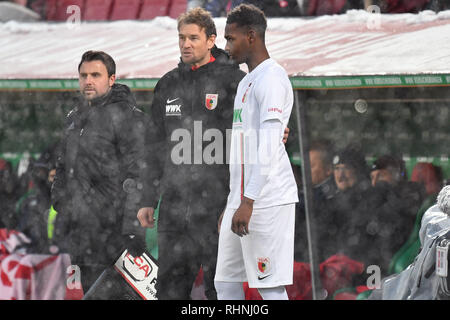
{"x": 256, "y": 241}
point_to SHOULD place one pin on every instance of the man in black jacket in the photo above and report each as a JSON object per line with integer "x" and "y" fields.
{"x": 192, "y": 109}
{"x": 33, "y": 208}
{"x": 97, "y": 188}
{"x": 324, "y": 191}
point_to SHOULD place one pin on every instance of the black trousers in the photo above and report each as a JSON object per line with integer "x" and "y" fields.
{"x": 90, "y": 274}
{"x": 180, "y": 256}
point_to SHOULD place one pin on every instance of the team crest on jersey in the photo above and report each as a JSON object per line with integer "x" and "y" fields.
{"x": 211, "y": 101}
{"x": 244, "y": 98}
{"x": 263, "y": 266}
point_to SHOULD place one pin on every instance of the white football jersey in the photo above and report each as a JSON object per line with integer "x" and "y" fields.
{"x": 263, "y": 94}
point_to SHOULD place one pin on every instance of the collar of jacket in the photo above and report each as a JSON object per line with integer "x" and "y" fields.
{"x": 118, "y": 92}
{"x": 327, "y": 187}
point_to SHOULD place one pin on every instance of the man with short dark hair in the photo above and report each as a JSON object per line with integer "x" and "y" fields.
{"x": 324, "y": 190}
{"x": 350, "y": 169}
{"x": 256, "y": 240}
{"x": 98, "y": 183}
{"x": 93, "y": 64}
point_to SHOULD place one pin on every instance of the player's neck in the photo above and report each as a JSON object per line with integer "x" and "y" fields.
{"x": 257, "y": 58}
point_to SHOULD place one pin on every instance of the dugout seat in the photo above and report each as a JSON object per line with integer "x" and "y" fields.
{"x": 154, "y": 8}
{"x": 97, "y": 10}
{"x": 125, "y": 10}
{"x": 57, "y": 10}
{"x": 177, "y": 7}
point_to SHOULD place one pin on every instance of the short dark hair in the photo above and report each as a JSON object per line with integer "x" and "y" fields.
{"x": 250, "y": 16}
{"x": 107, "y": 60}
{"x": 393, "y": 163}
{"x": 200, "y": 17}
{"x": 353, "y": 156}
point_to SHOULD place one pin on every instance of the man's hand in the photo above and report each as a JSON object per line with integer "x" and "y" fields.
{"x": 241, "y": 218}
{"x": 285, "y": 135}
{"x": 146, "y": 217}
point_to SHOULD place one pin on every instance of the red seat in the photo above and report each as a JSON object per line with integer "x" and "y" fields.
{"x": 177, "y": 7}
{"x": 154, "y": 8}
{"x": 125, "y": 10}
{"x": 97, "y": 10}
{"x": 428, "y": 174}
{"x": 50, "y": 10}
{"x": 57, "y": 10}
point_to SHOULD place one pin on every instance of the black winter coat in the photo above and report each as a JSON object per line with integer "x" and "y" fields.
{"x": 33, "y": 217}
{"x": 192, "y": 111}
{"x": 98, "y": 184}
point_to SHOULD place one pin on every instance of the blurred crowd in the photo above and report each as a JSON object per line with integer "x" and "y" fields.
{"x": 368, "y": 212}
{"x": 218, "y": 8}
{"x": 25, "y": 198}
{"x": 292, "y": 8}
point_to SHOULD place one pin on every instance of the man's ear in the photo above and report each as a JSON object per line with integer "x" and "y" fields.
{"x": 211, "y": 41}
{"x": 112, "y": 79}
{"x": 251, "y": 35}
{"x": 329, "y": 170}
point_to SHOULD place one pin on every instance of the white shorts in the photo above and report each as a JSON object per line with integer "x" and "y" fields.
{"x": 264, "y": 257}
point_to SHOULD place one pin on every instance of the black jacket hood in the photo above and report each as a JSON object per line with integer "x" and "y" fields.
{"x": 118, "y": 93}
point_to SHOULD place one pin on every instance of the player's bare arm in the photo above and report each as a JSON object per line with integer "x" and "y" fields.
{"x": 241, "y": 218}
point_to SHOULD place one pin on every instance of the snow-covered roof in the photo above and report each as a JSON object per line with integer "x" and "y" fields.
{"x": 355, "y": 43}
